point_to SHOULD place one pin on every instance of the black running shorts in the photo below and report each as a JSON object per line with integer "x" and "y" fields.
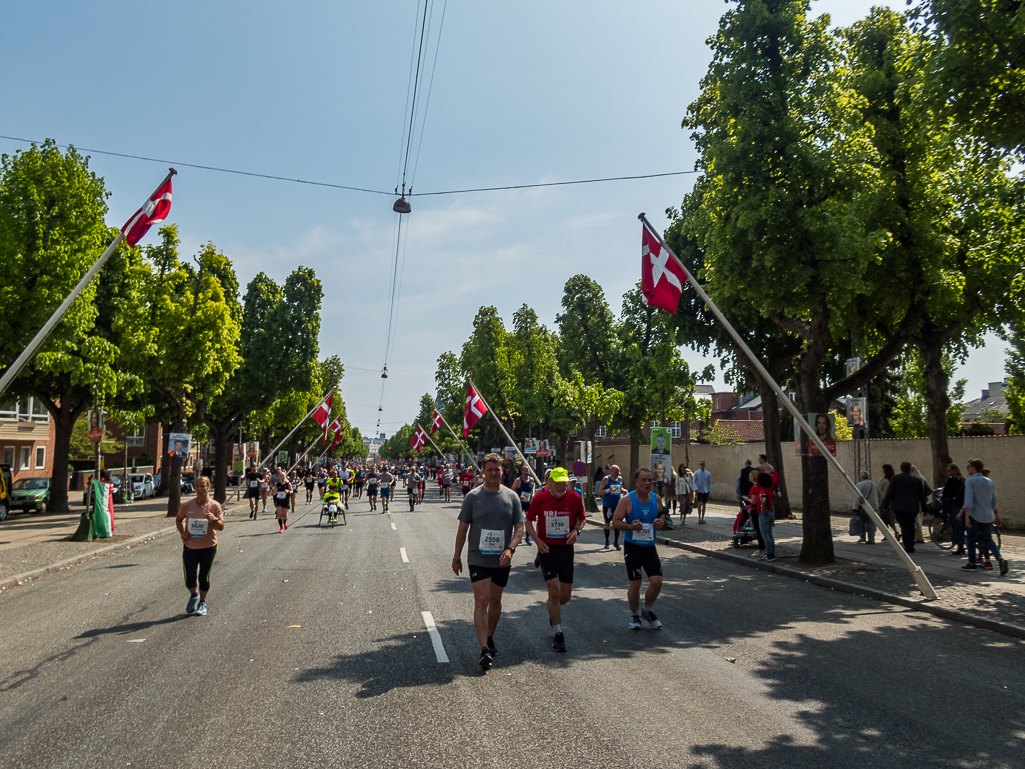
{"x": 557, "y": 563}
{"x": 499, "y": 575}
{"x": 639, "y": 557}
{"x": 608, "y": 512}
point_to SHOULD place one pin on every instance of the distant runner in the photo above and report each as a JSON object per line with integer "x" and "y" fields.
{"x": 198, "y": 522}
{"x": 610, "y": 491}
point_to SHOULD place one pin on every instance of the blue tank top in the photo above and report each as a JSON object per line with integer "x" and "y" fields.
{"x": 526, "y": 487}
{"x": 646, "y": 513}
{"x": 613, "y": 491}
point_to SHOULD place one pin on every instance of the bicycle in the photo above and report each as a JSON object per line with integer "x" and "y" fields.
{"x": 941, "y": 528}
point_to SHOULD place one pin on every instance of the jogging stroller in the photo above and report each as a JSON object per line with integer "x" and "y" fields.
{"x": 743, "y": 527}
{"x": 332, "y": 507}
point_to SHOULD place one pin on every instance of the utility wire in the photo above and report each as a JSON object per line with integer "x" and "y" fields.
{"x": 430, "y": 87}
{"x": 416, "y": 88}
{"x": 178, "y": 163}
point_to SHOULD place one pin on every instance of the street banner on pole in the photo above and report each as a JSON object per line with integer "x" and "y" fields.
{"x": 475, "y": 408}
{"x": 436, "y": 423}
{"x": 322, "y": 414}
{"x": 419, "y": 438}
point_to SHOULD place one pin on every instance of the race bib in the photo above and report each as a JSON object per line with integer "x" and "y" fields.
{"x": 492, "y": 541}
{"x": 281, "y": 495}
{"x": 253, "y": 484}
{"x": 332, "y": 509}
{"x": 646, "y": 534}
{"x": 198, "y": 527}
{"x": 616, "y": 491}
{"x": 557, "y": 526}
{"x": 526, "y": 496}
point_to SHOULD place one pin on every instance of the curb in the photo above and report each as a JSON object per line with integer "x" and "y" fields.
{"x": 92, "y": 553}
{"x": 956, "y": 615}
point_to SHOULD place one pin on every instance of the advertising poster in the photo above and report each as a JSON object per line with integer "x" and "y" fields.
{"x": 661, "y": 453}
{"x": 542, "y": 448}
{"x": 857, "y": 412}
{"x": 283, "y": 457}
{"x": 825, "y": 427}
{"x": 178, "y": 444}
{"x": 530, "y": 445}
{"x": 510, "y": 452}
{"x": 95, "y": 426}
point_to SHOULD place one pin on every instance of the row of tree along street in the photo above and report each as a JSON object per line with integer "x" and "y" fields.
{"x": 858, "y": 194}
{"x": 155, "y": 338}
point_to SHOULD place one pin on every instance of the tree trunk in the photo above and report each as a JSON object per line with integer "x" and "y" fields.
{"x": 817, "y": 543}
{"x": 772, "y": 427}
{"x": 174, "y": 470}
{"x": 64, "y": 417}
{"x": 221, "y": 432}
{"x": 635, "y": 458}
{"x": 937, "y": 404}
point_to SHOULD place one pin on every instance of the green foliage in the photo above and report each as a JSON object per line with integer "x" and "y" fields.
{"x": 588, "y": 334}
{"x": 910, "y": 419}
{"x": 843, "y": 430}
{"x": 1014, "y": 392}
{"x": 720, "y": 434}
{"x": 991, "y": 415}
{"x": 82, "y": 448}
{"x": 485, "y": 359}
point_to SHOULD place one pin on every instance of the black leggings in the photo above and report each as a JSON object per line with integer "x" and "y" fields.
{"x": 198, "y": 561}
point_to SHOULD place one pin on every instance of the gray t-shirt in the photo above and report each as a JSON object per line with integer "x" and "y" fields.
{"x": 491, "y": 515}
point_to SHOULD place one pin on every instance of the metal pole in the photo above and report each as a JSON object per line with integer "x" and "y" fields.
{"x": 508, "y": 437}
{"x": 471, "y": 456}
{"x": 920, "y": 577}
{"x": 275, "y": 449}
{"x": 45, "y": 331}
{"x": 435, "y": 445}
{"x": 303, "y": 453}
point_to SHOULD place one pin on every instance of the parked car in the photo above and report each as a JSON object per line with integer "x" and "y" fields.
{"x": 31, "y": 494}
{"x": 142, "y": 485}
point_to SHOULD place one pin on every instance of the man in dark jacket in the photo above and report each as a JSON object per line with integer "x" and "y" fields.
{"x": 905, "y": 496}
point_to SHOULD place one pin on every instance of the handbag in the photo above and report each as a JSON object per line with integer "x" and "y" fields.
{"x": 856, "y": 527}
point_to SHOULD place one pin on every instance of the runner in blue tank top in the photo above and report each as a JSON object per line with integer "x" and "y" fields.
{"x": 639, "y": 514}
{"x": 611, "y": 491}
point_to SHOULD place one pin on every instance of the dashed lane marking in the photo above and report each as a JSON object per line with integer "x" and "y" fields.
{"x": 432, "y": 630}
{"x": 402, "y": 552}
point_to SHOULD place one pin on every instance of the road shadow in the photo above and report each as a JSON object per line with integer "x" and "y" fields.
{"x": 127, "y": 628}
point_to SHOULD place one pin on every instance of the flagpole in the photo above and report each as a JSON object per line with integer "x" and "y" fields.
{"x": 427, "y": 435}
{"x": 47, "y": 329}
{"x": 508, "y": 437}
{"x": 920, "y": 576}
{"x": 463, "y": 445}
{"x": 275, "y": 449}
{"x": 303, "y": 452}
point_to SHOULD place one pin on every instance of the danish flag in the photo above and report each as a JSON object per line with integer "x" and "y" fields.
{"x": 475, "y": 409}
{"x": 436, "y": 425}
{"x": 662, "y": 273}
{"x": 419, "y": 439}
{"x": 154, "y": 211}
{"x": 336, "y": 427}
{"x": 322, "y": 414}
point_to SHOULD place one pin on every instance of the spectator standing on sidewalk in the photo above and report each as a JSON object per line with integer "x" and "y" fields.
{"x": 702, "y": 489}
{"x": 866, "y": 488}
{"x": 953, "y": 501}
{"x": 906, "y": 497}
{"x": 763, "y": 492}
{"x": 684, "y": 491}
{"x": 980, "y": 501}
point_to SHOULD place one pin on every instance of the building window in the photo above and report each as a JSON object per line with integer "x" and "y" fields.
{"x": 40, "y": 457}
{"x": 601, "y": 432}
{"x": 137, "y": 437}
{"x": 28, "y": 410}
{"x": 26, "y": 452}
{"x": 676, "y": 429}
{"x": 654, "y": 424}
{"x": 9, "y": 456}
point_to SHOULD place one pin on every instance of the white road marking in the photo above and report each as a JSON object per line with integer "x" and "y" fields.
{"x": 393, "y": 527}
{"x": 136, "y": 640}
{"x": 432, "y": 630}
{"x": 402, "y": 552}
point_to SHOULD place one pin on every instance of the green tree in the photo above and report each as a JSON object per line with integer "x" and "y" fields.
{"x": 588, "y": 341}
{"x": 590, "y": 406}
{"x": 183, "y": 339}
{"x": 51, "y": 232}
{"x": 911, "y": 412}
{"x": 976, "y": 66}
{"x": 1015, "y": 367}
{"x": 485, "y": 359}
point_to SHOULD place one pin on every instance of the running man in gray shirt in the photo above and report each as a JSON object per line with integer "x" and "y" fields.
{"x": 493, "y": 517}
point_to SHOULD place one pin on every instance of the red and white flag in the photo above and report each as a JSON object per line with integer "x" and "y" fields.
{"x": 153, "y": 212}
{"x": 336, "y": 428}
{"x": 436, "y": 425}
{"x": 475, "y": 409}
{"x": 322, "y": 414}
{"x": 662, "y": 274}
{"x": 419, "y": 439}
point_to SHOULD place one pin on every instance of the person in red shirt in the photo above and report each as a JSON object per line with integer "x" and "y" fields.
{"x": 466, "y": 481}
{"x": 559, "y": 517}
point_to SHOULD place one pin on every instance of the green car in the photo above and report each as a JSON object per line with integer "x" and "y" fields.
{"x": 30, "y": 494}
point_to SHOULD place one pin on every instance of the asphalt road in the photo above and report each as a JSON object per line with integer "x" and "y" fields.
{"x": 100, "y": 667}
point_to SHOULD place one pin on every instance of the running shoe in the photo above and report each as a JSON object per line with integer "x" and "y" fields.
{"x": 651, "y": 619}
{"x": 969, "y": 567}
{"x": 1003, "y": 567}
{"x": 201, "y": 609}
{"x": 485, "y": 659}
{"x": 286, "y": 525}
{"x": 988, "y": 566}
{"x": 773, "y": 558}
{"x": 281, "y": 530}
{"x": 190, "y": 607}
{"x": 492, "y": 649}
{"x": 559, "y": 642}
{"x": 618, "y": 546}
{"x": 635, "y": 621}
{"x": 606, "y": 546}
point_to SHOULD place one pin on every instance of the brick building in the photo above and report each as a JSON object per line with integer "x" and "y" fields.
{"x": 26, "y": 438}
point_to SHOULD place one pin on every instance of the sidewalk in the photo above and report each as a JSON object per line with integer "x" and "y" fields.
{"x": 30, "y": 541}
{"x": 983, "y": 593}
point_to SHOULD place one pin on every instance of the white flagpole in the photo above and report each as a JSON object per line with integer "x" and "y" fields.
{"x": 508, "y": 437}
{"x": 302, "y": 453}
{"x": 920, "y": 576}
{"x": 275, "y": 449}
{"x": 435, "y": 445}
{"x": 471, "y": 456}
{"x": 45, "y": 331}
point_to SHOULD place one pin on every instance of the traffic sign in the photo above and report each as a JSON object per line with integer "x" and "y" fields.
{"x": 579, "y": 468}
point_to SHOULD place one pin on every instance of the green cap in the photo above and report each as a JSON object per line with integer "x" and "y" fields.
{"x": 559, "y": 475}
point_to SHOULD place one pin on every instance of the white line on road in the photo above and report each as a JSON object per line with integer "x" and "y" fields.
{"x": 432, "y": 630}
{"x": 136, "y": 640}
{"x": 402, "y": 552}
{"x": 393, "y": 527}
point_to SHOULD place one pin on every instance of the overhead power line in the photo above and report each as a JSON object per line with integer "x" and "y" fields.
{"x": 332, "y": 185}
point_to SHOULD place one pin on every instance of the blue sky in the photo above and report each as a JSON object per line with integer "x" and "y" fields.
{"x": 523, "y": 93}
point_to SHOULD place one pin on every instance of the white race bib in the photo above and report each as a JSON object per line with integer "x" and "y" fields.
{"x": 646, "y": 534}
{"x": 492, "y": 541}
{"x": 198, "y": 527}
{"x": 281, "y": 495}
{"x": 332, "y": 509}
{"x": 526, "y": 496}
{"x": 253, "y": 484}
{"x": 557, "y": 526}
